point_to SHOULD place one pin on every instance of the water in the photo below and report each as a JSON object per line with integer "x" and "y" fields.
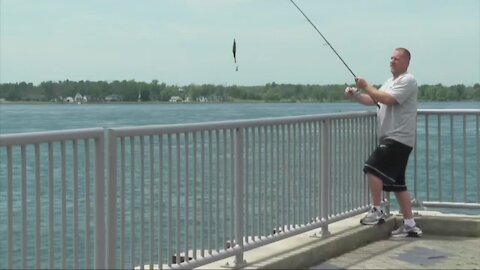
{"x": 17, "y": 118}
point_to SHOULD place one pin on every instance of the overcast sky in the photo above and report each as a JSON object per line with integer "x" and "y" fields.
{"x": 190, "y": 41}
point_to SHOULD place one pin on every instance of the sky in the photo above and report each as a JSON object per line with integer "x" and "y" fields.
{"x": 182, "y": 42}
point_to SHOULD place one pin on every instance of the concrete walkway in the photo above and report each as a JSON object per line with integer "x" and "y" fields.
{"x": 427, "y": 252}
{"x": 449, "y": 242}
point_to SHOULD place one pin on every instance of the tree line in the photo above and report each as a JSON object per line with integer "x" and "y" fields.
{"x": 154, "y": 91}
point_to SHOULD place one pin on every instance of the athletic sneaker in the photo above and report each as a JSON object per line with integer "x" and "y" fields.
{"x": 405, "y": 230}
{"x": 373, "y": 217}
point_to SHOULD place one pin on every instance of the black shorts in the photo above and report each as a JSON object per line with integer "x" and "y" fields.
{"x": 389, "y": 162}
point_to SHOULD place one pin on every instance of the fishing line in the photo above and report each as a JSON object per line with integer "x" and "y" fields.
{"x": 330, "y": 45}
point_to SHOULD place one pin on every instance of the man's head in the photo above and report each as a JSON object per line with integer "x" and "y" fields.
{"x": 399, "y": 61}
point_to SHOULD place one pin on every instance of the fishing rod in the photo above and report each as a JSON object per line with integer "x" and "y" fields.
{"x": 330, "y": 45}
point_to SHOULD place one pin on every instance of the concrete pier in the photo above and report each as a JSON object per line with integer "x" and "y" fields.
{"x": 450, "y": 241}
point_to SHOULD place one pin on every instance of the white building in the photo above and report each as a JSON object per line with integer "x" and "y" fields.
{"x": 202, "y": 99}
{"x": 78, "y": 98}
{"x": 175, "y": 99}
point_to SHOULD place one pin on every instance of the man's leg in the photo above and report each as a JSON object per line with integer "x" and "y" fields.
{"x": 409, "y": 227}
{"x": 375, "y": 215}
{"x": 376, "y": 187}
{"x": 404, "y": 201}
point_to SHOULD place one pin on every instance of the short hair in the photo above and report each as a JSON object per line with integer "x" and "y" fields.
{"x": 405, "y": 52}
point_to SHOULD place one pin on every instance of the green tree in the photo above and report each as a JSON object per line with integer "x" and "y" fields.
{"x": 49, "y": 90}
{"x": 476, "y": 92}
{"x": 441, "y": 94}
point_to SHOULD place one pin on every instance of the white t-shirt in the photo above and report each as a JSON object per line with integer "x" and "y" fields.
{"x": 399, "y": 121}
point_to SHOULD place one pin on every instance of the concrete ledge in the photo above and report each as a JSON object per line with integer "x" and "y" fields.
{"x": 446, "y": 224}
{"x": 339, "y": 242}
{"x": 307, "y": 249}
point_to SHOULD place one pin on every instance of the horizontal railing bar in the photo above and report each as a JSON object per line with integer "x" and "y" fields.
{"x": 49, "y": 136}
{"x": 231, "y": 124}
{"x": 458, "y": 205}
{"x": 449, "y": 111}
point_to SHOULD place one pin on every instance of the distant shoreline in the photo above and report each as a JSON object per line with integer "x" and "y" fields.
{"x": 195, "y": 103}
{"x": 166, "y": 102}
{"x": 132, "y": 92}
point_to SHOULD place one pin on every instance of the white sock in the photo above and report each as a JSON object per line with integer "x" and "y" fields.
{"x": 410, "y": 222}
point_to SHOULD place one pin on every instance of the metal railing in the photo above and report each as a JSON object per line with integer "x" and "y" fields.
{"x": 246, "y": 183}
{"x": 52, "y": 199}
{"x": 446, "y": 160}
{"x": 181, "y": 196}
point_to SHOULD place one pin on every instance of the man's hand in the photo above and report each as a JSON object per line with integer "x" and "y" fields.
{"x": 350, "y": 91}
{"x": 361, "y": 83}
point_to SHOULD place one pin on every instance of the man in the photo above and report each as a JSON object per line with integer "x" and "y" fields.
{"x": 397, "y": 124}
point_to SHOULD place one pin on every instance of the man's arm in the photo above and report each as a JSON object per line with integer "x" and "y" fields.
{"x": 374, "y": 93}
{"x": 364, "y": 99}
{"x": 358, "y": 96}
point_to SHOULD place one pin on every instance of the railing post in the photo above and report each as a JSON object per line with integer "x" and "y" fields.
{"x": 99, "y": 241}
{"x": 239, "y": 194}
{"x": 325, "y": 162}
{"x": 477, "y": 131}
{"x": 386, "y": 202}
{"x": 111, "y": 200}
